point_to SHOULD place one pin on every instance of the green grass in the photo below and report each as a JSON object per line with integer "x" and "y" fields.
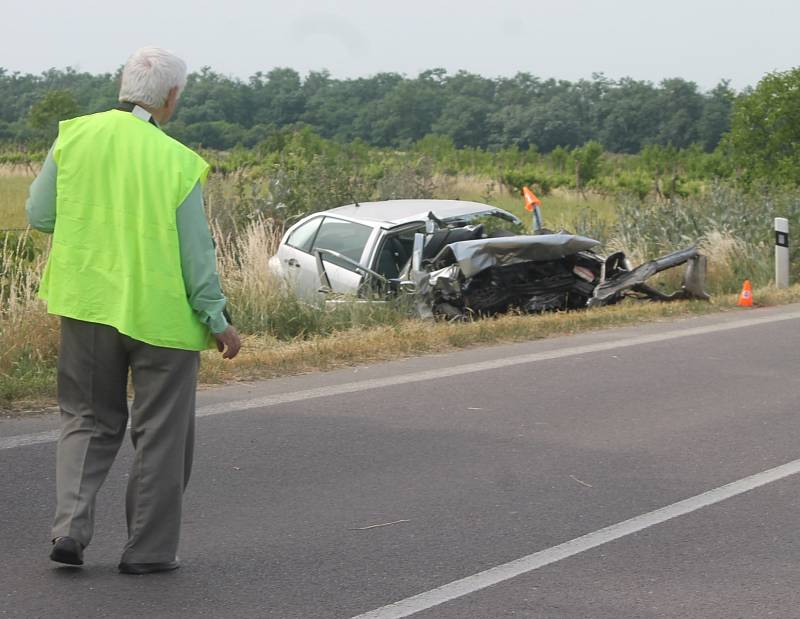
{"x": 13, "y": 193}
{"x": 561, "y": 209}
{"x": 29, "y": 381}
{"x": 567, "y": 209}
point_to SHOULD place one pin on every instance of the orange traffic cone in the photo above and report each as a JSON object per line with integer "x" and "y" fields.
{"x": 746, "y": 296}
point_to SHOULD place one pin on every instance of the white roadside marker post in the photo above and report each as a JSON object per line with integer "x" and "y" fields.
{"x": 781, "y": 252}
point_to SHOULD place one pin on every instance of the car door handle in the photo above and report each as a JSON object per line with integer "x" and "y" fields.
{"x": 292, "y": 262}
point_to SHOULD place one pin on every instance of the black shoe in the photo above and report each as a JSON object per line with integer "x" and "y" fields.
{"x": 67, "y": 550}
{"x": 149, "y": 568}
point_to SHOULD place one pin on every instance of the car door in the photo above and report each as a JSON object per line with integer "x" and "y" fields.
{"x": 348, "y": 238}
{"x": 297, "y": 264}
{"x": 298, "y": 261}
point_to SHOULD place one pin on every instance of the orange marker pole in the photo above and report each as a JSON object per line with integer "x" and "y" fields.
{"x": 533, "y": 204}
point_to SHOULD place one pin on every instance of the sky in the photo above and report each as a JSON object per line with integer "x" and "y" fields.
{"x": 701, "y": 40}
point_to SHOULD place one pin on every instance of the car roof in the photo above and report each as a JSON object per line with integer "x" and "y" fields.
{"x": 394, "y": 212}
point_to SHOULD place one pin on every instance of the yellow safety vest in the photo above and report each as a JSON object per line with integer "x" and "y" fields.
{"x": 115, "y": 257}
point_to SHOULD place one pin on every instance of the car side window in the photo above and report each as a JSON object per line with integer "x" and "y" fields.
{"x": 303, "y": 237}
{"x": 346, "y": 237}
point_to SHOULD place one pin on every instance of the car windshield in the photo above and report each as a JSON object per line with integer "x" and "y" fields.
{"x": 473, "y": 216}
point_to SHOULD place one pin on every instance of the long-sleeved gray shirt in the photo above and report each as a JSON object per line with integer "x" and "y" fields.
{"x": 198, "y": 257}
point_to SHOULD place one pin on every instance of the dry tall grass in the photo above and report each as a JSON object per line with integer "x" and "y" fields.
{"x": 730, "y": 261}
{"x": 28, "y": 335}
{"x": 242, "y": 261}
{"x": 13, "y": 193}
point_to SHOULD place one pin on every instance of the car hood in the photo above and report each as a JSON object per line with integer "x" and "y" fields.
{"x": 479, "y": 254}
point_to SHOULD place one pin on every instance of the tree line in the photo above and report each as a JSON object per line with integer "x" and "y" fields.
{"x": 393, "y": 111}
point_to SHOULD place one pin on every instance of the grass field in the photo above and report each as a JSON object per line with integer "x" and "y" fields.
{"x": 561, "y": 209}
{"x": 591, "y": 214}
{"x": 283, "y": 335}
{"x": 13, "y": 193}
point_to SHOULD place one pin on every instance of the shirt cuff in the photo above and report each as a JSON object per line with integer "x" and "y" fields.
{"x": 217, "y": 323}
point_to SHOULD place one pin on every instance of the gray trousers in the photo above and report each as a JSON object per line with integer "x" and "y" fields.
{"x": 93, "y": 365}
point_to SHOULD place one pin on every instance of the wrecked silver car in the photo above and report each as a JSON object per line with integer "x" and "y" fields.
{"x": 445, "y": 257}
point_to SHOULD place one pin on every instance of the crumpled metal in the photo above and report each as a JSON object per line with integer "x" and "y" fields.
{"x": 477, "y": 255}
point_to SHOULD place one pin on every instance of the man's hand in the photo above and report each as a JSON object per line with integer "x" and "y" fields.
{"x": 228, "y": 342}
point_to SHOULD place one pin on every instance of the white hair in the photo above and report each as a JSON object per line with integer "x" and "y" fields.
{"x": 149, "y": 75}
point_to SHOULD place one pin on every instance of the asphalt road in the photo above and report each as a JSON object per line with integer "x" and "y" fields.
{"x": 470, "y": 461}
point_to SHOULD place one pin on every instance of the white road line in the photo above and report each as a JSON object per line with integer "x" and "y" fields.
{"x": 21, "y": 440}
{"x": 439, "y": 373}
{"x": 524, "y": 565}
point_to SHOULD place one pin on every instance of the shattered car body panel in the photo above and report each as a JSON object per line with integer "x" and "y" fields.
{"x": 546, "y": 272}
{"x": 451, "y": 267}
{"x": 476, "y": 255}
{"x": 693, "y": 281}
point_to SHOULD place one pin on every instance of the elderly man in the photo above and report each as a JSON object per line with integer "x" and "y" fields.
{"x": 132, "y": 274}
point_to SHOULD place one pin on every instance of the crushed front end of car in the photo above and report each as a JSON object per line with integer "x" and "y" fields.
{"x": 461, "y": 272}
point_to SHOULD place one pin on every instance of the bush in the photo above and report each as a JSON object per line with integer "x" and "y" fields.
{"x": 537, "y": 179}
{"x": 765, "y": 130}
{"x": 735, "y": 227}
